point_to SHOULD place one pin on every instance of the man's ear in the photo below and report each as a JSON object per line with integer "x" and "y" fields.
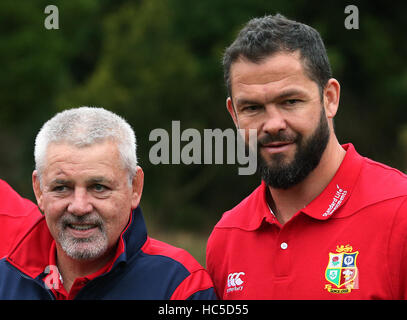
{"x": 331, "y": 97}
{"x": 37, "y": 189}
{"x": 232, "y": 111}
{"x": 137, "y": 187}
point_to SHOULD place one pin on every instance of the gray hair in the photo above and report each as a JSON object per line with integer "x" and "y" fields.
{"x": 85, "y": 126}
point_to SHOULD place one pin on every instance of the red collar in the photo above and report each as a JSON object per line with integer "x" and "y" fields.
{"x": 339, "y": 190}
{"x": 250, "y": 213}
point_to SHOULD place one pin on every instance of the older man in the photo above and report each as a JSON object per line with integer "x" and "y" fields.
{"x": 92, "y": 242}
{"x": 325, "y": 223}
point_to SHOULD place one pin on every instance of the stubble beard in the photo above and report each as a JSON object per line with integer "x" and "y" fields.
{"x": 89, "y": 248}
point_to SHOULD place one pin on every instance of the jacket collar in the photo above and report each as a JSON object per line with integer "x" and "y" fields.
{"x": 253, "y": 210}
{"x": 31, "y": 254}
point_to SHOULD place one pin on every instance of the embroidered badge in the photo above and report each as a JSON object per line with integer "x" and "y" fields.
{"x": 342, "y": 271}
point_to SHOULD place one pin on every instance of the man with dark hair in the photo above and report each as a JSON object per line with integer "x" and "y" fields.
{"x": 263, "y": 37}
{"x": 325, "y": 223}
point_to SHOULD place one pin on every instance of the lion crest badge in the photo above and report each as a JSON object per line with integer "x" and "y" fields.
{"x": 342, "y": 270}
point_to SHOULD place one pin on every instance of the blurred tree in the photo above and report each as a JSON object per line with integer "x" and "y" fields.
{"x": 148, "y": 74}
{"x": 37, "y": 65}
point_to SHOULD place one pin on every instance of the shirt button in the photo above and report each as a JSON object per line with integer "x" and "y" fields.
{"x": 283, "y": 245}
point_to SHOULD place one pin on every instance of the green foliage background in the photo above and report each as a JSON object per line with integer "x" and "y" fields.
{"x": 155, "y": 61}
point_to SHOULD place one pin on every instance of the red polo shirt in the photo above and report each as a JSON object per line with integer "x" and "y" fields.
{"x": 350, "y": 242}
{"x": 16, "y": 216}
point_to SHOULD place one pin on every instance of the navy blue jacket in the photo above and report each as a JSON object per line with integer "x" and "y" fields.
{"x": 145, "y": 269}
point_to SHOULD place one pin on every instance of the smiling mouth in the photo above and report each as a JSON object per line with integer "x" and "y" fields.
{"x": 277, "y": 147}
{"x": 277, "y": 144}
{"x": 83, "y": 231}
{"x": 81, "y": 227}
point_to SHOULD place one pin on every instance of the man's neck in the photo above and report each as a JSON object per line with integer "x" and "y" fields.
{"x": 70, "y": 269}
{"x": 287, "y": 202}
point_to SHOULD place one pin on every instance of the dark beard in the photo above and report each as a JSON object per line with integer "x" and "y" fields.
{"x": 306, "y": 159}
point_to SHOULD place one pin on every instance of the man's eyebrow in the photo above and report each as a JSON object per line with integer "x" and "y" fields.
{"x": 99, "y": 180}
{"x": 59, "y": 181}
{"x": 289, "y": 93}
{"x": 240, "y": 102}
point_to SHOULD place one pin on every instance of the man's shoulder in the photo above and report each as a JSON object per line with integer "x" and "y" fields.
{"x": 373, "y": 165}
{"x": 186, "y": 278}
{"x": 382, "y": 179}
{"x": 170, "y": 254}
{"x": 237, "y": 217}
{"x": 377, "y": 185}
{"x": 17, "y": 215}
{"x": 157, "y": 270}
{"x": 14, "y": 205}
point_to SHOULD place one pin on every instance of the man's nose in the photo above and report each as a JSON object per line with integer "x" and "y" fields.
{"x": 80, "y": 204}
{"x": 274, "y": 121}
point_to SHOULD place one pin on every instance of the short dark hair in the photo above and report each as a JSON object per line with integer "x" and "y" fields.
{"x": 263, "y": 37}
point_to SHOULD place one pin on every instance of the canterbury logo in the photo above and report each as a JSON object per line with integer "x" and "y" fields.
{"x": 234, "y": 279}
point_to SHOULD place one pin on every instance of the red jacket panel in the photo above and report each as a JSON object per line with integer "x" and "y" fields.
{"x": 17, "y": 214}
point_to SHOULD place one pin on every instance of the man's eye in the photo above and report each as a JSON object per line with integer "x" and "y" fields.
{"x": 291, "y": 102}
{"x": 99, "y": 188}
{"x": 60, "y": 189}
{"x": 251, "y": 108}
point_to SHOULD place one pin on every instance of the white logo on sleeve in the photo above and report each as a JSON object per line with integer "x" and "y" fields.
{"x": 235, "y": 283}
